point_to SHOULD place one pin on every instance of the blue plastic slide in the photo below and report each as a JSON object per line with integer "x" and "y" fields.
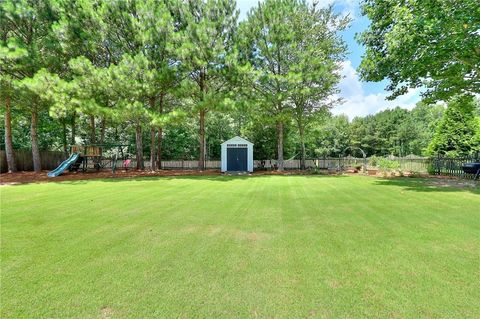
{"x": 65, "y": 165}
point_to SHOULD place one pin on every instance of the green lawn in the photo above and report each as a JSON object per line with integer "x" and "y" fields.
{"x": 240, "y": 247}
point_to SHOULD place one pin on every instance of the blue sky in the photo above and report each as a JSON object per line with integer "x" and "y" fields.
{"x": 361, "y": 98}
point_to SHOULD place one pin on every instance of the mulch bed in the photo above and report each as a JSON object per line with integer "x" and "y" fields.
{"x": 32, "y": 177}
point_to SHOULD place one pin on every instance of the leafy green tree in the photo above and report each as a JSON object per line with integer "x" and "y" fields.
{"x": 315, "y": 65}
{"x": 332, "y": 137}
{"x": 180, "y": 140}
{"x": 130, "y": 80}
{"x": 294, "y": 51}
{"x": 266, "y": 39}
{"x": 364, "y": 135}
{"x": 457, "y": 132}
{"x": 9, "y": 53}
{"x": 155, "y": 31}
{"x": 423, "y": 43}
{"x": 111, "y": 37}
{"x": 423, "y": 120}
{"x": 82, "y": 31}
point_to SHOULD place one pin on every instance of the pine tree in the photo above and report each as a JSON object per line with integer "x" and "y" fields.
{"x": 28, "y": 25}
{"x": 294, "y": 52}
{"x": 208, "y": 28}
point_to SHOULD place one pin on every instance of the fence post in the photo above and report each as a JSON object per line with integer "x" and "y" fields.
{"x": 438, "y": 164}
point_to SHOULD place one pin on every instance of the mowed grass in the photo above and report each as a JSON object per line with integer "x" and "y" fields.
{"x": 240, "y": 247}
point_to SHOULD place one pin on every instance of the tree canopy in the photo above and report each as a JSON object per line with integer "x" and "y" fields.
{"x": 458, "y": 132}
{"x": 429, "y": 44}
{"x": 173, "y": 79}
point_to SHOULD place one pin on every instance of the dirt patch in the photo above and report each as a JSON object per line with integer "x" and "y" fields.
{"x": 334, "y": 284}
{"x": 457, "y": 183}
{"x": 236, "y": 234}
{"x": 252, "y": 237}
{"x": 106, "y": 312}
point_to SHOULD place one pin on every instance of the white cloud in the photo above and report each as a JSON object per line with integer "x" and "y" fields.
{"x": 359, "y": 103}
{"x": 348, "y": 6}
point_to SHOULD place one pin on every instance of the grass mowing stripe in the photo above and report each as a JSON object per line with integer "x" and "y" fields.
{"x": 264, "y": 246}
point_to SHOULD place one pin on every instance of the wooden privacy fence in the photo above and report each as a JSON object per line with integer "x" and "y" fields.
{"x": 24, "y": 161}
{"x": 187, "y": 164}
{"x": 415, "y": 164}
{"x": 434, "y": 165}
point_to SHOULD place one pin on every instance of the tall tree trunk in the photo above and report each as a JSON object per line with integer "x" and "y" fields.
{"x": 64, "y": 137}
{"x": 73, "y": 130}
{"x": 153, "y": 153}
{"x": 117, "y": 138}
{"x": 201, "y": 160}
{"x": 139, "y": 146}
{"x": 160, "y": 134}
{"x": 103, "y": 126}
{"x": 92, "y": 130}
{"x": 280, "y": 145}
{"x": 301, "y": 130}
{"x": 12, "y": 166}
{"x": 37, "y": 165}
{"x": 159, "y": 147}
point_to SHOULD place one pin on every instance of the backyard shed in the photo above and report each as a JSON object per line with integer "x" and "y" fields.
{"x": 237, "y": 155}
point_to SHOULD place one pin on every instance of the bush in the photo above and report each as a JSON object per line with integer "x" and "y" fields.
{"x": 414, "y": 174}
{"x": 387, "y": 165}
{"x": 318, "y": 171}
{"x": 373, "y": 161}
{"x": 431, "y": 169}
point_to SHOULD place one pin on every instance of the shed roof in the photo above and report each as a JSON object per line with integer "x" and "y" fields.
{"x": 236, "y": 140}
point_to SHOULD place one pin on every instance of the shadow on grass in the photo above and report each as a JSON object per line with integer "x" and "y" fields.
{"x": 428, "y": 185}
{"x": 212, "y": 178}
{"x": 157, "y": 178}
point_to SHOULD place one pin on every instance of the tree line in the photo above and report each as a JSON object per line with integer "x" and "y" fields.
{"x": 426, "y": 130}
{"x": 98, "y": 70}
{"x": 175, "y": 78}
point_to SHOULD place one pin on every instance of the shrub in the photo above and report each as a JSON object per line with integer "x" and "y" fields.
{"x": 387, "y": 165}
{"x": 431, "y": 169}
{"x": 318, "y": 171}
{"x": 414, "y": 174}
{"x": 373, "y": 161}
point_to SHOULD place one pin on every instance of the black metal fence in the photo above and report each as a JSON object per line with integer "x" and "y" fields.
{"x": 452, "y": 166}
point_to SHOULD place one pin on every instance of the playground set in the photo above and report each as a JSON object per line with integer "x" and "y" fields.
{"x": 97, "y": 157}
